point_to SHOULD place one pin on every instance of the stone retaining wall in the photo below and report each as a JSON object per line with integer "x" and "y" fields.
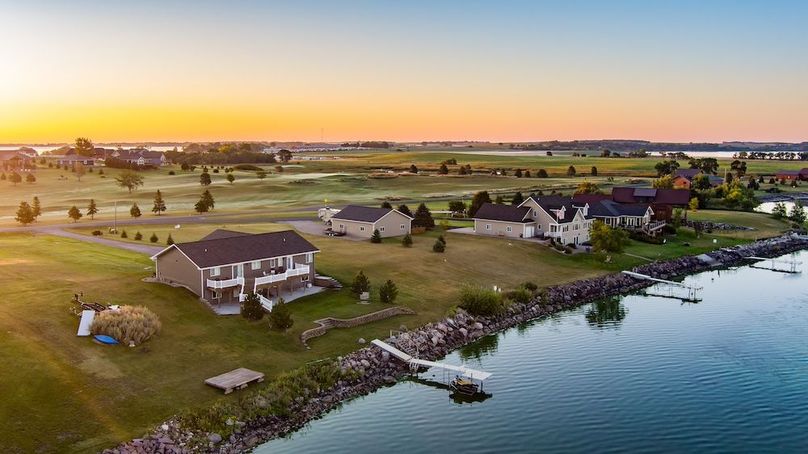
{"x": 330, "y": 322}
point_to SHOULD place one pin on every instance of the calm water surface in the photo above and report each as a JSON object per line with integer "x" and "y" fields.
{"x": 637, "y": 374}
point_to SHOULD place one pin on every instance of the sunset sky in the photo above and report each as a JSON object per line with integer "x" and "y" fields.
{"x": 415, "y": 70}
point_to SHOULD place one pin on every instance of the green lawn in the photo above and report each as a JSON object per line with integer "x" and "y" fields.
{"x": 79, "y": 396}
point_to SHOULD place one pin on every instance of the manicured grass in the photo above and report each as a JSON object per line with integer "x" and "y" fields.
{"x": 80, "y": 396}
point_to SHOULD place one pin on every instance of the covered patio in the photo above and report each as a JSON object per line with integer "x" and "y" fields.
{"x": 287, "y": 295}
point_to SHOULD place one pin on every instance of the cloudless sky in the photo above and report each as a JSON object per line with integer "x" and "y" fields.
{"x": 411, "y": 70}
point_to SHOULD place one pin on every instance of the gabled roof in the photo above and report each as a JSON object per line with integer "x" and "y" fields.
{"x": 662, "y": 196}
{"x": 552, "y": 203}
{"x": 610, "y": 208}
{"x": 505, "y": 213}
{"x": 364, "y": 214}
{"x": 227, "y": 247}
{"x": 687, "y": 173}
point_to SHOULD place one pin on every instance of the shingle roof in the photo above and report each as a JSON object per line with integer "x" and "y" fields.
{"x": 556, "y": 202}
{"x": 222, "y": 233}
{"x": 613, "y": 209}
{"x": 506, "y": 213}
{"x": 361, "y": 214}
{"x": 687, "y": 173}
{"x": 230, "y": 248}
{"x": 663, "y": 196}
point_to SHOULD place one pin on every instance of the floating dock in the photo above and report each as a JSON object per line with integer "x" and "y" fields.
{"x": 409, "y": 359}
{"x": 235, "y": 379}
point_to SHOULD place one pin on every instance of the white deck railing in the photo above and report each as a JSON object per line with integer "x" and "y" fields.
{"x": 270, "y": 278}
{"x": 225, "y": 283}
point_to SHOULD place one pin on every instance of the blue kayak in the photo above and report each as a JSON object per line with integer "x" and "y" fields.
{"x": 104, "y": 339}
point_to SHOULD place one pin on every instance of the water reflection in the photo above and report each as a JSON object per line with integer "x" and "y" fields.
{"x": 606, "y": 314}
{"x": 456, "y": 397}
{"x": 476, "y": 350}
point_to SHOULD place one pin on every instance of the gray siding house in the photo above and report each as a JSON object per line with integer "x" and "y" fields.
{"x": 360, "y": 221}
{"x": 225, "y": 266}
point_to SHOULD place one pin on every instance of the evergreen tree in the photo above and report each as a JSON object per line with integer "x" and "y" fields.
{"x": 423, "y": 218}
{"x": 439, "y": 246}
{"x": 407, "y": 240}
{"x": 134, "y": 211}
{"x": 360, "y": 284}
{"x": 123, "y": 234}
{"x": 594, "y": 171}
{"x": 518, "y": 173}
{"x": 251, "y": 308}
{"x": 204, "y": 178}
{"x": 159, "y": 203}
{"x": 527, "y": 174}
{"x": 37, "y": 208}
{"x": 413, "y": 169}
{"x": 405, "y": 210}
{"x": 542, "y": 174}
{"x": 443, "y": 170}
{"x": 25, "y": 214}
{"x": 30, "y": 178}
{"x": 387, "y": 205}
{"x": 74, "y": 213}
{"x": 779, "y": 211}
{"x": 499, "y": 200}
{"x": 477, "y": 201}
{"x": 462, "y": 171}
{"x": 153, "y": 238}
{"x": 571, "y": 171}
{"x": 208, "y": 198}
{"x": 231, "y": 178}
{"x": 376, "y": 237}
{"x": 388, "y": 292}
{"x": 517, "y": 199}
{"x": 15, "y": 178}
{"x": 92, "y": 209}
{"x": 169, "y": 240}
{"x": 280, "y": 318}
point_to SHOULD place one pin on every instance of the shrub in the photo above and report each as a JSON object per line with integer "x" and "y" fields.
{"x": 376, "y": 237}
{"x": 407, "y": 240}
{"x": 123, "y": 234}
{"x": 153, "y": 238}
{"x": 442, "y": 239}
{"x": 478, "y": 300}
{"x": 251, "y": 308}
{"x": 388, "y": 292}
{"x": 530, "y": 286}
{"x": 360, "y": 284}
{"x": 248, "y": 167}
{"x": 520, "y": 296}
{"x": 138, "y": 236}
{"x": 129, "y": 324}
{"x": 280, "y": 318}
{"x": 439, "y": 246}
{"x": 97, "y": 233}
{"x": 171, "y": 172}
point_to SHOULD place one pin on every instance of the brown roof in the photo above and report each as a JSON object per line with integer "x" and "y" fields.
{"x": 499, "y": 212}
{"x": 228, "y": 247}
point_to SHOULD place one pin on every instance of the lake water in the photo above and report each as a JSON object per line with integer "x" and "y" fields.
{"x": 634, "y": 374}
{"x": 767, "y": 207}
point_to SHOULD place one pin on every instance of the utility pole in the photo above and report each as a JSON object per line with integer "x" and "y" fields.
{"x": 115, "y": 218}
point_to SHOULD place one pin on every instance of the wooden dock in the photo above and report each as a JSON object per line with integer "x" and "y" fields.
{"x": 235, "y": 379}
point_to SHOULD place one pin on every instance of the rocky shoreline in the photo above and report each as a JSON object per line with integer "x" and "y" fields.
{"x": 375, "y": 369}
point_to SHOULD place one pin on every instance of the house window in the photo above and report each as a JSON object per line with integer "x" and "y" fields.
{"x": 487, "y": 226}
{"x": 304, "y": 277}
{"x": 215, "y": 271}
{"x": 402, "y": 227}
{"x": 216, "y": 295}
{"x": 361, "y": 229}
{"x": 309, "y": 257}
{"x": 342, "y": 226}
{"x": 381, "y": 229}
{"x": 509, "y": 229}
{"x": 273, "y": 263}
{"x": 256, "y": 265}
{"x": 535, "y": 213}
{"x": 235, "y": 293}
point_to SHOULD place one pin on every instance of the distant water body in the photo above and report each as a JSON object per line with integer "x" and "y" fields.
{"x": 635, "y": 374}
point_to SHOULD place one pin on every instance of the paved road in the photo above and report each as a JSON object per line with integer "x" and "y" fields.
{"x": 141, "y": 248}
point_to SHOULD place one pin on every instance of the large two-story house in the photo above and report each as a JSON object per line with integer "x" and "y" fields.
{"x": 550, "y": 217}
{"x": 225, "y": 266}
